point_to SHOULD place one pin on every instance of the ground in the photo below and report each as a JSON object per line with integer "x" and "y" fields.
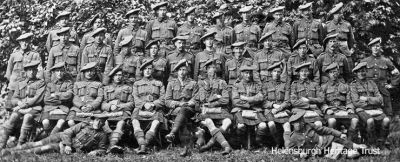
{"x": 173, "y": 155}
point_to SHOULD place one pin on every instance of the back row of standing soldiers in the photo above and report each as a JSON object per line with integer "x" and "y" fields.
{"x": 285, "y": 74}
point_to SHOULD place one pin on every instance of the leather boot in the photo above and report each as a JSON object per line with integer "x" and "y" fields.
{"x": 217, "y": 135}
{"x": 114, "y": 139}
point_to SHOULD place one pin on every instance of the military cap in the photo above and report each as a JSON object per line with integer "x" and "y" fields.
{"x": 32, "y": 64}
{"x": 91, "y": 22}
{"x": 158, "y": 5}
{"x": 190, "y": 10}
{"x": 305, "y": 6}
{"x": 209, "y": 62}
{"x": 238, "y": 44}
{"x": 297, "y": 116}
{"x": 276, "y": 9}
{"x": 146, "y": 63}
{"x": 299, "y": 42}
{"x": 97, "y": 31}
{"x": 247, "y": 68}
{"x": 216, "y": 15}
{"x": 63, "y": 14}
{"x": 374, "y": 41}
{"x": 130, "y": 12}
{"x": 115, "y": 70}
{"x": 331, "y": 66}
{"x": 180, "y": 37}
{"x": 273, "y": 66}
{"x": 182, "y": 62}
{"x": 307, "y": 64}
{"x": 126, "y": 40}
{"x": 336, "y": 8}
{"x": 209, "y": 34}
{"x": 63, "y": 30}
{"x": 89, "y": 65}
{"x": 359, "y": 66}
{"x": 266, "y": 35}
{"x": 24, "y": 36}
{"x": 245, "y": 9}
{"x": 151, "y": 43}
{"x": 330, "y": 37}
{"x": 58, "y": 66}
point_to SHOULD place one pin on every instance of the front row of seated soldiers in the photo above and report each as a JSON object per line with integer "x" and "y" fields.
{"x": 206, "y": 101}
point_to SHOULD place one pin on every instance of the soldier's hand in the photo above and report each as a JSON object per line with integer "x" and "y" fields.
{"x": 363, "y": 98}
{"x": 303, "y": 99}
{"x": 276, "y": 106}
{"x": 54, "y": 95}
{"x": 190, "y": 103}
{"x": 86, "y": 108}
{"x": 388, "y": 86}
{"x": 395, "y": 72}
{"x": 351, "y": 111}
{"x": 219, "y": 96}
{"x": 243, "y": 98}
{"x": 16, "y": 108}
{"x": 148, "y": 106}
{"x": 274, "y": 111}
{"x": 329, "y": 112}
{"x": 343, "y": 136}
{"x": 92, "y": 153}
{"x": 68, "y": 150}
{"x": 113, "y": 107}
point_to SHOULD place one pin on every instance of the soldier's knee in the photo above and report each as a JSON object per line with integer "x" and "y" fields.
{"x": 385, "y": 121}
{"x": 262, "y": 126}
{"x": 28, "y": 116}
{"x": 46, "y": 123}
{"x": 286, "y": 127}
{"x": 318, "y": 123}
{"x": 354, "y": 121}
{"x": 370, "y": 122}
{"x": 208, "y": 121}
{"x": 271, "y": 124}
{"x": 227, "y": 121}
{"x": 241, "y": 126}
{"x": 71, "y": 123}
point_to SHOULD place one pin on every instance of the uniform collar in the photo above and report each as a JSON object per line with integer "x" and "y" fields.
{"x": 304, "y": 81}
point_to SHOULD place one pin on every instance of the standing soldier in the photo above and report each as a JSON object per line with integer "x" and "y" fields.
{"x": 381, "y": 70}
{"x": 368, "y": 101}
{"x": 159, "y": 62}
{"x": 88, "y": 94}
{"x": 206, "y": 55}
{"x": 128, "y": 61}
{"x": 344, "y": 30}
{"x": 177, "y": 55}
{"x": 281, "y": 31}
{"x": 62, "y": 21}
{"x": 133, "y": 29}
{"x": 149, "y": 106}
{"x": 100, "y": 53}
{"x": 309, "y": 29}
{"x": 118, "y": 103}
{"x": 180, "y": 99}
{"x": 26, "y": 102}
{"x": 240, "y": 57}
{"x": 247, "y": 31}
{"x": 66, "y": 52}
{"x": 192, "y": 30}
{"x": 225, "y": 35}
{"x": 57, "y": 99}
{"x": 337, "y": 106}
{"x": 96, "y": 22}
{"x": 332, "y": 54}
{"x": 300, "y": 55}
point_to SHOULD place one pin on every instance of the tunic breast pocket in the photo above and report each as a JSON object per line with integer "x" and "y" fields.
{"x": 110, "y": 94}
{"x": 301, "y": 92}
{"x": 103, "y": 58}
{"x": 130, "y": 67}
{"x": 232, "y": 72}
{"x": 125, "y": 95}
{"x": 93, "y": 91}
{"x": 263, "y": 64}
{"x": 81, "y": 90}
{"x": 170, "y": 32}
{"x": 176, "y": 91}
{"x": 280, "y": 94}
{"x": 330, "y": 92}
{"x": 155, "y": 31}
{"x": 239, "y": 34}
{"x": 271, "y": 94}
{"x": 58, "y": 56}
{"x": 155, "y": 89}
{"x": 253, "y": 35}
{"x": 361, "y": 91}
{"x": 72, "y": 58}
{"x": 383, "y": 69}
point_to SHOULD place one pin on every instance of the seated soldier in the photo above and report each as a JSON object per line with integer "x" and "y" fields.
{"x": 26, "y": 102}
{"x": 57, "y": 99}
{"x": 337, "y": 102}
{"x": 308, "y": 136}
{"x": 88, "y": 95}
{"x": 306, "y": 95}
{"x": 213, "y": 99}
{"x": 159, "y": 62}
{"x": 368, "y": 103}
{"x": 180, "y": 98}
{"x": 247, "y": 103}
{"x": 118, "y": 105}
{"x": 74, "y": 139}
{"x": 276, "y": 103}
{"x": 149, "y": 103}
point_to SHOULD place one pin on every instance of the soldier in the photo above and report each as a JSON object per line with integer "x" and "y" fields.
{"x": 149, "y": 105}
{"x": 96, "y": 22}
{"x": 128, "y": 60}
{"x": 57, "y": 99}
{"x": 247, "y": 101}
{"x": 180, "y": 99}
{"x": 178, "y": 54}
{"x": 26, "y": 102}
{"x": 162, "y": 28}
{"x": 344, "y": 30}
{"x": 309, "y": 29}
{"x": 66, "y": 52}
{"x": 337, "y": 106}
{"x": 62, "y": 21}
{"x": 133, "y": 29}
{"x": 225, "y": 35}
{"x": 213, "y": 99}
{"x": 300, "y": 56}
{"x": 240, "y": 57}
{"x": 206, "y": 55}
{"x": 159, "y": 62}
{"x": 276, "y": 103}
{"x": 192, "y": 30}
{"x": 282, "y": 31}
{"x": 118, "y": 103}
{"x": 332, "y": 54}
{"x": 88, "y": 95}
{"x": 368, "y": 102}
{"x": 247, "y": 31}
{"x": 74, "y": 139}
{"x": 267, "y": 57}
{"x": 99, "y": 52}
{"x": 381, "y": 70}
{"x": 306, "y": 95}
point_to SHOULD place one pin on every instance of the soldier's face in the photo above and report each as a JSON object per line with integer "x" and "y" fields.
{"x": 99, "y": 38}
{"x": 211, "y": 71}
{"x": 267, "y": 43}
{"x": 331, "y": 44}
{"x": 276, "y": 72}
{"x": 133, "y": 18}
{"x": 182, "y": 72}
{"x": 23, "y": 44}
{"x": 63, "y": 21}
{"x": 376, "y": 49}
{"x": 304, "y": 72}
{"x": 59, "y": 74}
{"x": 117, "y": 78}
{"x": 147, "y": 71}
{"x": 98, "y": 124}
{"x": 31, "y": 72}
{"x": 179, "y": 44}
{"x": 302, "y": 50}
{"x": 297, "y": 126}
{"x": 228, "y": 20}
{"x": 64, "y": 37}
{"x": 237, "y": 50}
{"x": 153, "y": 50}
{"x": 245, "y": 16}
{"x": 209, "y": 41}
{"x": 306, "y": 13}
{"x": 337, "y": 16}
{"x": 246, "y": 75}
{"x": 162, "y": 11}
{"x": 333, "y": 74}
{"x": 89, "y": 74}
{"x": 190, "y": 18}
{"x": 97, "y": 23}
{"x": 278, "y": 16}
{"x": 361, "y": 73}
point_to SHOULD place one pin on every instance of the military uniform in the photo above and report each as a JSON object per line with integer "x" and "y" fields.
{"x": 161, "y": 29}
{"x": 202, "y": 58}
{"x": 327, "y": 58}
{"x": 129, "y": 64}
{"x": 282, "y": 36}
{"x": 337, "y": 99}
{"x": 224, "y": 37}
{"x": 249, "y": 33}
{"x": 311, "y": 30}
{"x": 57, "y": 99}
{"x": 139, "y": 38}
{"x": 174, "y": 57}
{"x": 296, "y": 60}
{"x": 265, "y": 58}
{"x": 159, "y": 68}
{"x": 121, "y": 96}
{"x": 276, "y": 92}
{"x": 52, "y": 38}
{"x": 100, "y": 53}
{"x": 194, "y": 32}
{"x": 65, "y": 53}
